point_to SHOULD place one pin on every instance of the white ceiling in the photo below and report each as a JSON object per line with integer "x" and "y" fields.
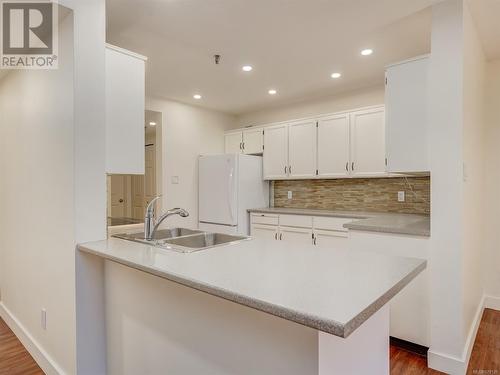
{"x": 293, "y": 45}
{"x": 485, "y": 14}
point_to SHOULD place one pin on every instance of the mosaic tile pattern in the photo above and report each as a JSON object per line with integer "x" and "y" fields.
{"x": 360, "y": 194}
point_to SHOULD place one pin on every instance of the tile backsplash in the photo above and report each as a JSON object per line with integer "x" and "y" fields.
{"x": 357, "y": 194}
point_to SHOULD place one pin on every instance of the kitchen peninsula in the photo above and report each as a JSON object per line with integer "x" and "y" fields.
{"x": 337, "y": 297}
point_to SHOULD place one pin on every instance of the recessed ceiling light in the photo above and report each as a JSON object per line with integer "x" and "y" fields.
{"x": 366, "y": 52}
{"x": 152, "y": 123}
{"x": 336, "y": 75}
{"x": 272, "y": 92}
{"x": 197, "y": 96}
{"x": 247, "y": 68}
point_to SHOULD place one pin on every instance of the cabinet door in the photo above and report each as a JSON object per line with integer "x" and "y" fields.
{"x": 253, "y": 141}
{"x": 233, "y": 142}
{"x": 125, "y": 96}
{"x": 368, "y": 143}
{"x": 302, "y": 149}
{"x": 300, "y": 236}
{"x": 276, "y": 152}
{"x": 333, "y": 146}
{"x": 406, "y": 116}
{"x": 331, "y": 239}
{"x": 269, "y": 232}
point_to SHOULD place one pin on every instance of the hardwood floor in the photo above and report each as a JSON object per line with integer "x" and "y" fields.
{"x": 485, "y": 358}
{"x": 406, "y": 363}
{"x": 14, "y": 359}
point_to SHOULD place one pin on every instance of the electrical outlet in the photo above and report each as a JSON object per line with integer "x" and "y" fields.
{"x": 401, "y": 196}
{"x": 290, "y": 195}
{"x": 43, "y": 319}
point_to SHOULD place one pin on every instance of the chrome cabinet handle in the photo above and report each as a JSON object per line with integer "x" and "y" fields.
{"x": 352, "y": 166}
{"x": 285, "y": 169}
{"x": 290, "y": 169}
{"x": 276, "y": 235}
{"x": 120, "y": 200}
{"x": 281, "y": 236}
{"x": 347, "y": 166}
{"x": 243, "y": 145}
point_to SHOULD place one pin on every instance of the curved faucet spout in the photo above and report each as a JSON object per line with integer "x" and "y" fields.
{"x": 150, "y": 234}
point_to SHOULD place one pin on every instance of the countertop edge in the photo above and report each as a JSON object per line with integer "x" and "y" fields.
{"x": 354, "y": 323}
{"x": 325, "y": 325}
{"x": 367, "y": 228}
{"x": 355, "y": 225}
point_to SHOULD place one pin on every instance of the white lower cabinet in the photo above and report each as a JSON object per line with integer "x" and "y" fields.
{"x": 331, "y": 239}
{"x": 299, "y": 236}
{"x": 269, "y": 232}
{"x": 410, "y": 308}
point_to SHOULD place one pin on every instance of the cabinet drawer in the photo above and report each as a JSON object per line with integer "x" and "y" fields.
{"x": 296, "y": 221}
{"x": 331, "y": 223}
{"x": 264, "y": 219}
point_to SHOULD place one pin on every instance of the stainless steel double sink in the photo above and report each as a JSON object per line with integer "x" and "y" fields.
{"x": 184, "y": 240}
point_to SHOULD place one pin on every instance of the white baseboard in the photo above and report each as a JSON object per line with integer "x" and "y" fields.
{"x": 46, "y": 363}
{"x": 454, "y": 365}
{"x": 491, "y": 302}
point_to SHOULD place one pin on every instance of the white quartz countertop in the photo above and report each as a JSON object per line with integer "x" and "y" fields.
{"x": 328, "y": 289}
{"x": 412, "y": 224}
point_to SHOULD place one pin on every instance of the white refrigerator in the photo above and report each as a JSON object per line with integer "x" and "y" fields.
{"x": 229, "y": 185}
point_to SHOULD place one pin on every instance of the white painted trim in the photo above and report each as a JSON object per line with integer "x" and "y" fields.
{"x": 47, "y": 364}
{"x": 454, "y": 365}
{"x": 491, "y": 302}
{"x": 126, "y": 52}
{"x": 315, "y": 117}
{"x": 416, "y": 58}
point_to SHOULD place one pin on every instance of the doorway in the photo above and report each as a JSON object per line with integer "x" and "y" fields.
{"x": 129, "y": 195}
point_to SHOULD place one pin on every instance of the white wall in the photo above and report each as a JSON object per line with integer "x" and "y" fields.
{"x": 491, "y": 266}
{"x": 37, "y": 223}
{"x": 446, "y": 157}
{"x": 52, "y": 190}
{"x": 187, "y": 132}
{"x": 355, "y": 99}
{"x": 474, "y": 160}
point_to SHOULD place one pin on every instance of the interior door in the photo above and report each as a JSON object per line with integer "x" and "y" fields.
{"x": 218, "y": 193}
{"x": 118, "y": 195}
{"x": 253, "y": 141}
{"x": 302, "y": 149}
{"x": 276, "y": 152}
{"x": 368, "y": 143}
{"x": 138, "y": 209}
{"x": 150, "y": 175}
{"x": 233, "y": 142}
{"x": 333, "y": 146}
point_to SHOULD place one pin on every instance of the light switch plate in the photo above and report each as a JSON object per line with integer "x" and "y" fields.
{"x": 175, "y": 180}
{"x": 290, "y": 195}
{"x": 401, "y": 196}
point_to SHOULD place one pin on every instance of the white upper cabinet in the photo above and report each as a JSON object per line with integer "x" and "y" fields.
{"x": 253, "y": 141}
{"x": 233, "y": 142}
{"x": 368, "y": 143}
{"x": 248, "y": 141}
{"x": 125, "y": 97}
{"x": 406, "y": 116}
{"x": 302, "y": 149}
{"x": 333, "y": 146}
{"x": 276, "y": 152}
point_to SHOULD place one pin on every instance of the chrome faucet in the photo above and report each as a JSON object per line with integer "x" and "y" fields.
{"x": 151, "y": 225}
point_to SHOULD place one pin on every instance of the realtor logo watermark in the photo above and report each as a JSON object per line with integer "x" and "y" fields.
{"x": 28, "y": 34}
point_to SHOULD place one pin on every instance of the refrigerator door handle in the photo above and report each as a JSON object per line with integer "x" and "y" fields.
{"x": 231, "y": 193}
